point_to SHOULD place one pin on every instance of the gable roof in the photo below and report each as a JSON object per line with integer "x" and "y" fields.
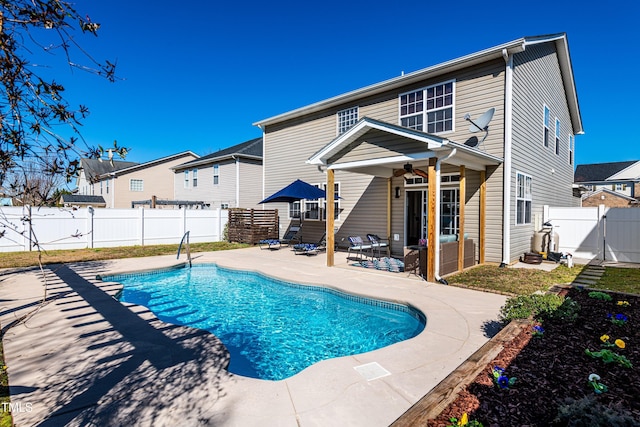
{"x": 610, "y": 193}
{"x": 596, "y": 172}
{"x": 82, "y": 199}
{"x": 95, "y": 167}
{"x": 515, "y": 46}
{"x": 138, "y": 166}
{"x": 251, "y": 149}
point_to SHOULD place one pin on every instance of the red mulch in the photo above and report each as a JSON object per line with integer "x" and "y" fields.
{"x": 554, "y": 367}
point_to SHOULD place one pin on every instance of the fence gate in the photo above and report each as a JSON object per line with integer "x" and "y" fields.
{"x": 621, "y": 235}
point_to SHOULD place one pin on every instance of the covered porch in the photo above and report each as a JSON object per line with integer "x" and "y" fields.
{"x": 412, "y": 163}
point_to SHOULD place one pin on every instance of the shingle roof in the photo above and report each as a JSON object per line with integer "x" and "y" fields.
{"x": 94, "y": 167}
{"x": 596, "y": 172}
{"x": 251, "y": 148}
{"x": 82, "y": 199}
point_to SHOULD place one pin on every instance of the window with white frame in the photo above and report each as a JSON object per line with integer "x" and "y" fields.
{"x": 186, "y": 179}
{"x": 136, "y": 185}
{"x": 312, "y": 207}
{"x": 346, "y": 119}
{"x": 107, "y": 185}
{"x": 294, "y": 209}
{"x": 216, "y": 174}
{"x": 224, "y": 205}
{"x": 100, "y": 187}
{"x": 336, "y": 202}
{"x": 546, "y": 126}
{"x": 523, "y": 198}
{"x": 194, "y": 178}
{"x": 621, "y": 187}
{"x": 572, "y": 142}
{"x": 449, "y": 211}
{"x": 429, "y": 109}
{"x": 557, "y": 136}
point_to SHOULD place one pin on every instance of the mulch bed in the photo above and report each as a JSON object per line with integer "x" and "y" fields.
{"x": 553, "y": 370}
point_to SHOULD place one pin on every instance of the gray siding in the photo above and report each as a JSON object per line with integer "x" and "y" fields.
{"x": 537, "y": 82}
{"x": 250, "y": 184}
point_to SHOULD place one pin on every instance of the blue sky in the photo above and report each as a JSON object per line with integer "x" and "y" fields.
{"x": 197, "y": 74}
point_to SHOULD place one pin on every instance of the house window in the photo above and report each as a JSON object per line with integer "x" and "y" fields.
{"x": 136, "y": 185}
{"x": 224, "y": 205}
{"x": 546, "y": 126}
{"x": 294, "y": 210}
{"x": 336, "y": 202}
{"x": 195, "y": 178}
{"x": 100, "y": 187}
{"x": 557, "y": 136}
{"x": 572, "y": 141}
{"x": 449, "y": 211}
{"x": 620, "y": 187}
{"x": 346, "y": 119}
{"x": 432, "y": 106}
{"x": 216, "y": 174}
{"x": 312, "y": 207}
{"x": 523, "y": 199}
{"x": 186, "y": 179}
{"x": 107, "y": 185}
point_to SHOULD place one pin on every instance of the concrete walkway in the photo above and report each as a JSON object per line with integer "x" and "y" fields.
{"x": 86, "y": 359}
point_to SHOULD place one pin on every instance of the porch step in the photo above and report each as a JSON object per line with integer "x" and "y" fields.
{"x": 584, "y": 282}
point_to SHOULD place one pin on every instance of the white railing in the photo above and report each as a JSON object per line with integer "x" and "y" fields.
{"x": 63, "y": 228}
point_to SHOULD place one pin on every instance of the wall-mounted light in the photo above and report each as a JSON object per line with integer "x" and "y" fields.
{"x": 397, "y": 192}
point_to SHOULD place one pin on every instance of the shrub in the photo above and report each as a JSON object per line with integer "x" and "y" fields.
{"x": 589, "y": 412}
{"x": 525, "y": 306}
{"x": 568, "y": 311}
{"x": 600, "y": 295}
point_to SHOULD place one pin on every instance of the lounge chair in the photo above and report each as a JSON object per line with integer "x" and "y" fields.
{"x": 378, "y": 243}
{"x": 292, "y": 235}
{"x": 311, "y": 248}
{"x": 269, "y": 244}
{"x": 357, "y": 245}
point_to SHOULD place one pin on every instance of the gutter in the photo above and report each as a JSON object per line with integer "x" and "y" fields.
{"x": 437, "y": 215}
{"x": 506, "y": 170}
{"x": 237, "y": 160}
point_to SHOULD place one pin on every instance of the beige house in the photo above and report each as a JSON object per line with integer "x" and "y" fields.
{"x": 123, "y": 183}
{"x": 473, "y": 147}
{"x": 229, "y": 178}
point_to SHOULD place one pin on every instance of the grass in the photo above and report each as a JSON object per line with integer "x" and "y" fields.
{"x": 28, "y": 259}
{"x": 5, "y": 416}
{"x": 620, "y": 280}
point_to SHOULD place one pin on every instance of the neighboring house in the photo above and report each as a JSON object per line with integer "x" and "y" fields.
{"x": 80, "y": 200}
{"x": 229, "y": 178}
{"x": 614, "y": 184}
{"x": 381, "y": 147}
{"x": 120, "y": 185}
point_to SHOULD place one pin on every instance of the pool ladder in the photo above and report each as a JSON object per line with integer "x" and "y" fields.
{"x": 185, "y": 237}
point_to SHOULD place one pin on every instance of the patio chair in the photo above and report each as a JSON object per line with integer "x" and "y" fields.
{"x": 357, "y": 245}
{"x": 377, "y": 243}
{"x": 292, "y": 235}
{"x": 311, "y": 248}
{"x": 272, "y": 244}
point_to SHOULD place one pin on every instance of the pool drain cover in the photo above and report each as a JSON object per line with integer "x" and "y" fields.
{"x": 372, "y": 371}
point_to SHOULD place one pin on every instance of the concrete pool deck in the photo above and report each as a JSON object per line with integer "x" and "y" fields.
{"x": 86, "y": 359}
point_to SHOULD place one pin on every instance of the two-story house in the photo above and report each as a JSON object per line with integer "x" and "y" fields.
{"x": 121, "y": 183}
{"x": 471, "y": 147}
{"x": 614, "y": 184}
{"x": 229, "y": 178}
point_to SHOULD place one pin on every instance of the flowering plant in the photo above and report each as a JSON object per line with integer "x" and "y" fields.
{"x": 422, "y": 242}
{"x": 598, "y": 387}
{"x": 500, "y": 379}
{"x": 617, "y": 343}
{"x": 538, "y": 331}
{"x": 624, "y": 303}
{"x": 609, "y": 356}
{"x": 464, "y": 421}
{"x": 619, "y": 319}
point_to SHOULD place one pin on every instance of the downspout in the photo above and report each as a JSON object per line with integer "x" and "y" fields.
{"x": 263, "y": 165}
{"x": 237, "y": 159}
{"x": 506, "y": 170}
{"x": 437, "y": 215}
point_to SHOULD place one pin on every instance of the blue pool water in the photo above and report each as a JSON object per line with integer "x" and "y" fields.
{"x": 272, "y": 329}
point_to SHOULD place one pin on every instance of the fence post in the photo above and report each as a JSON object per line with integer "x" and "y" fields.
{"x": 184, "y": 220}
{"x": 28, "y": 236}
{"x": 602, "y": 232}
{"x": 141, "y": 210}
{"x": 219, "y": 230}
{"x": 89, "y": 227}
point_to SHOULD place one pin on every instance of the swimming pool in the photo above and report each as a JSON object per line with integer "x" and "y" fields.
{"x": 273, "y": 329}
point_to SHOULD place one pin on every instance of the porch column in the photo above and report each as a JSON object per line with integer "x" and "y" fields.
{"x": 330, "y": 237}
{"x": 483, "y": 216}
{"x": 463, "y": 198}
{"x": 389, "y": 196}
{"x": 431, "y": 223}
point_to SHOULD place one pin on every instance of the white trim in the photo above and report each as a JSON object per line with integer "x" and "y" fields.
{"x": 506, "y": 169}
{"x": 556, "y": 137}
{"x": 237, "y": 182}
{"x": 425, "y": 111}
{"x": 382, "y": 161}
{"x": 546, "y": 126}
{"x": 347, "y": 110}
{"x": 524, "y": 198}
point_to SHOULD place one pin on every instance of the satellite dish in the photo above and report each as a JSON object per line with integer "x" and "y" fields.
{"x": 480, "y": 124}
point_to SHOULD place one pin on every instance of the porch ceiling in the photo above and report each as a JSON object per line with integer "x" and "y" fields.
{"x": 383, "y": 164}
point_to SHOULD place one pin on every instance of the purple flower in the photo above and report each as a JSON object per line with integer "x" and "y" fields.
{"x": 503, "y": 381}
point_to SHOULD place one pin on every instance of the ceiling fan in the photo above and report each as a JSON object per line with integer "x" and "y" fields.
{"x": 408, "y": 171}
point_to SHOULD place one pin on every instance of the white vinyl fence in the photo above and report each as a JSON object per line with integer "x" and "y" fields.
{"x": 611, "y": 234}
{"x": 63, "y": 228}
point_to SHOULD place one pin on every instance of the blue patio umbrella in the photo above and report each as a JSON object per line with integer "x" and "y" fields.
{"x": 294, "y": 192}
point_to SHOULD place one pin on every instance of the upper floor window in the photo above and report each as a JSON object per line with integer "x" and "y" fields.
{"x": 107, "y": 181}
{"x": 194, "y": 179}
{"x": 572, "y": 142}
{"x": 186, "y": 179}
{"x": 136, "y": 185}
{"x": 224, "y": 205}
{"x": 429, "y": 109}
{"x": 346, "y": 119}
{"x": 620, "y": 187}
{"x": 100, "y": 187}
{"x": 523, "y": 199}
{"x": 216, "y": 174}
{"x": 557, "y": 136}
{"x": 546, "y": 126}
